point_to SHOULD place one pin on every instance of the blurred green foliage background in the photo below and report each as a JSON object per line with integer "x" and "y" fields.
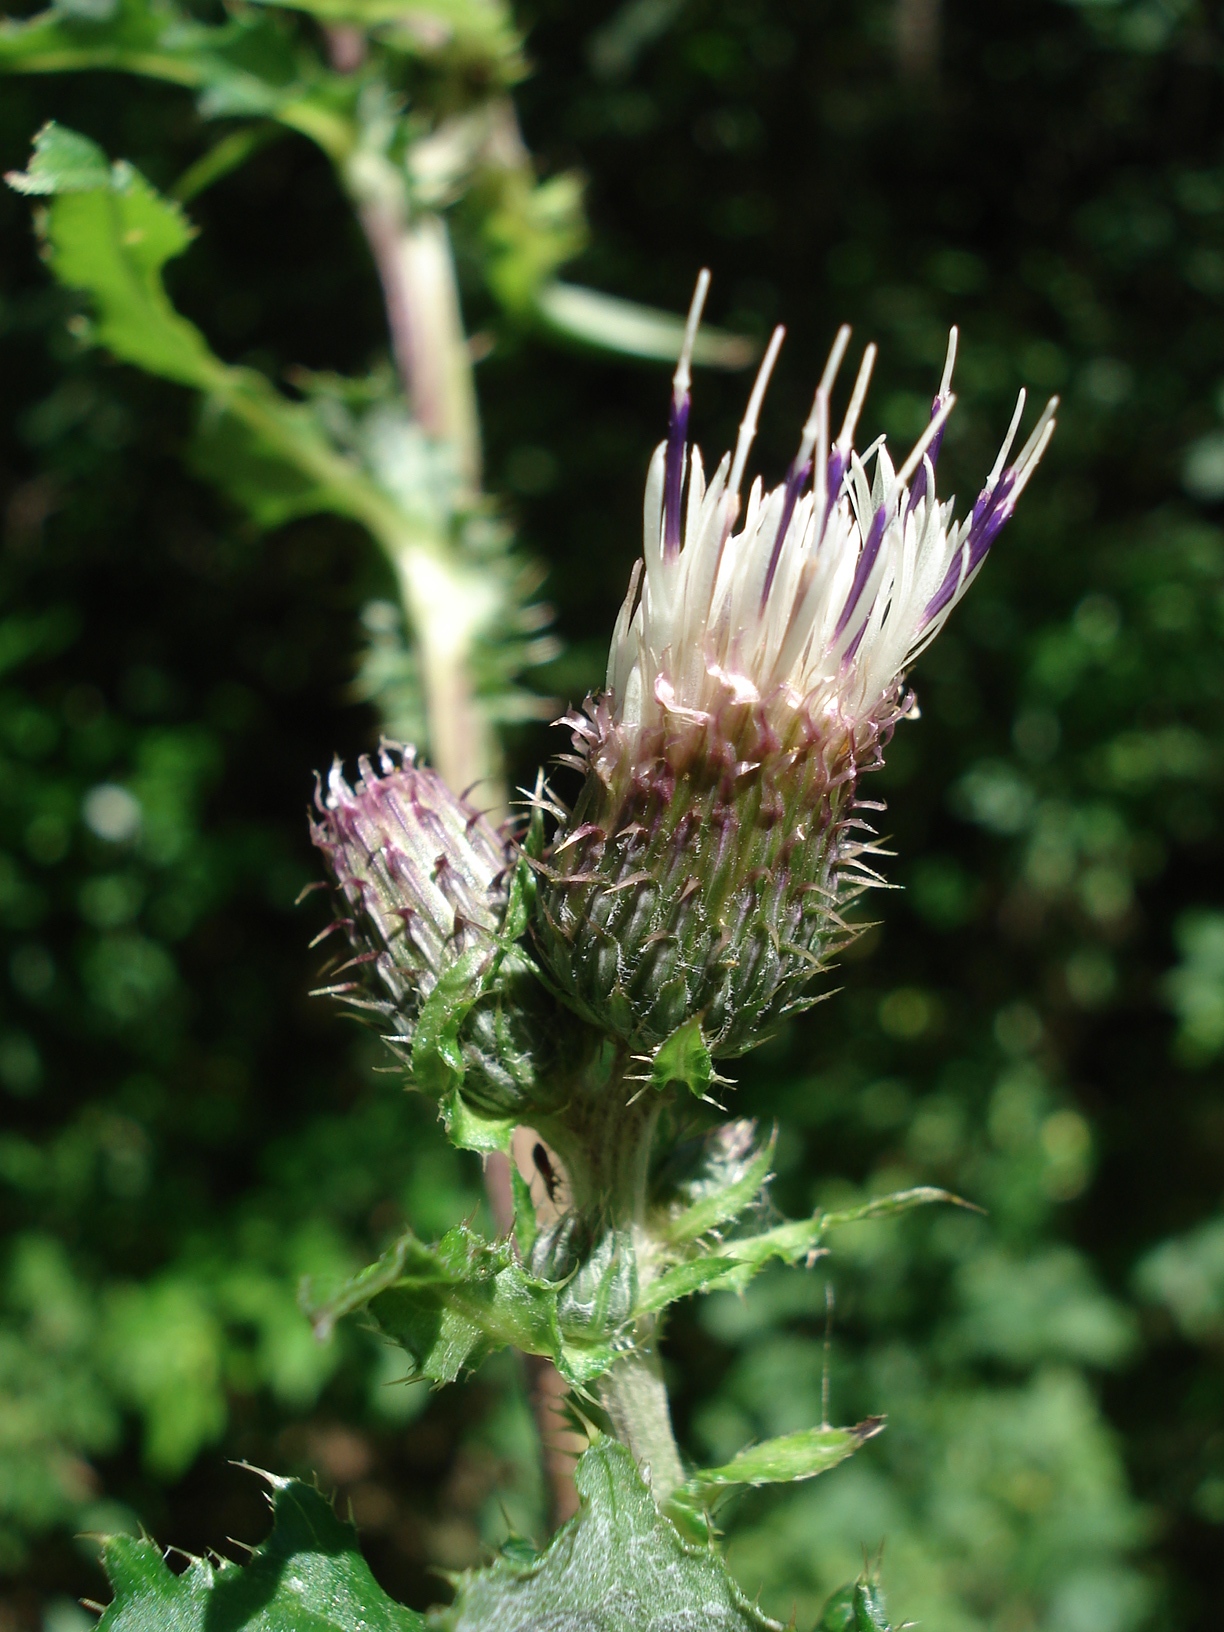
{"x": 1038, "y": 1020}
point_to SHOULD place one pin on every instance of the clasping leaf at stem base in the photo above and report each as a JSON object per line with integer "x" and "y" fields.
{"x": 620, "y": 1566}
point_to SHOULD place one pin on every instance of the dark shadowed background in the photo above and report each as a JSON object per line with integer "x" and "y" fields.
{"x": 1038, "y": 1020}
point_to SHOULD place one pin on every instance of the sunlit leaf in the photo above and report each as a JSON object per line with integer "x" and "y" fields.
{"x": 308, "y": 1576}
{"x": 450, "y": 1305}
{"x": 620, "y": 1566}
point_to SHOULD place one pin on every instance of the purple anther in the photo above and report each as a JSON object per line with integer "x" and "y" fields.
{"x": 983, "y": 537}
{"x": 673, "y": 473}
{"x": 990, "y": 498}
{"x": 866, "y": 562}
{"x": 796, "y": 476}
{"x": 988, "y": 521}
{"x": 989, "y": 513}
{"x": 946, "y": 590}
{"x": 918, "y": 491}
{"x": 835, "y": 475}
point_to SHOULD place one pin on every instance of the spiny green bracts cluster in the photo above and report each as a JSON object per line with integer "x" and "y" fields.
{"x": 424, "y": 884}
{"x": 703, "y": 873}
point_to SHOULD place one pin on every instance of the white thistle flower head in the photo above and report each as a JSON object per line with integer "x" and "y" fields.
{"x": 808, "y": 610}
{"x": 756, "y": 671}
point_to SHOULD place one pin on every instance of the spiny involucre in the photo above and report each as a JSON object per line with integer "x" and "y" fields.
{"x": 423, "y": 875}
{"x": 754, "y": 675}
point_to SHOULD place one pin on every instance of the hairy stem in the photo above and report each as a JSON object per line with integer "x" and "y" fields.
{"x": 634, "y": 1396}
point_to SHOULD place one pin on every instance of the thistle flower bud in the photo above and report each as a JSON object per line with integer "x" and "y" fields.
{"x": 422, "y": 880}
{"x": 422, "y": 874}
{"x": 754, "y": 676}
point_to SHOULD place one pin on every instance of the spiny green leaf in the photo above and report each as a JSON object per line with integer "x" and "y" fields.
{"x": 729, "y": 1174}
{"x": 62, "y": 162}
{"x": 450, "y": 1305}
{"x": 730, "y": 1265}
{"x": 308, "y": 1576}
{"x": 785, "y": 1460}
{"x": 437, "y": 1060}
{"x": 620, "y": 1566}
{"x": 468, "y": 1128}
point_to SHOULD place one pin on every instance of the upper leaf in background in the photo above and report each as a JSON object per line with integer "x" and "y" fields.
{"x": 112, "y": 234}
{"x": 248, "y": 66}
{"x": 480, "y": 28}
{"x": 634, "y": 330}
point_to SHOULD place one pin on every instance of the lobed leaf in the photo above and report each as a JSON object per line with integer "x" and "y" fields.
{"x": 308, "y": 1576}
{"x": 109, "y": 234}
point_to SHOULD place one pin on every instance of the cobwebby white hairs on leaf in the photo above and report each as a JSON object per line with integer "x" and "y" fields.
{"x": 836, "y": 580}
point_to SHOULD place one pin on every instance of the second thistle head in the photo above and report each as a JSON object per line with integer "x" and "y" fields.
{"x": 422, "y": 878}
{"x": 423, "y": 888}
{"x": 756, "y": 672}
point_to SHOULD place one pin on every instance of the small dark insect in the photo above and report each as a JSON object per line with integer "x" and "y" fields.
{"x": 546, "y": 1171}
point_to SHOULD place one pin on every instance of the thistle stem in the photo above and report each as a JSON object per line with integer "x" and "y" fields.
{"x": 634, "y": 1396}
{"x": 446, "y": 605}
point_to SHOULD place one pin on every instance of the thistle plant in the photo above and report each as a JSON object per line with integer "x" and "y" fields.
{"x": 689, "y": 902}
{"x": 565, "y": 985}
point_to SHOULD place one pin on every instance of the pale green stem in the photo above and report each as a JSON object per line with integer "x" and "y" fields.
{"x": 634, "y": 1396}
{"x": 605, "y": 1137}
{"x": 447, "y": 605}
